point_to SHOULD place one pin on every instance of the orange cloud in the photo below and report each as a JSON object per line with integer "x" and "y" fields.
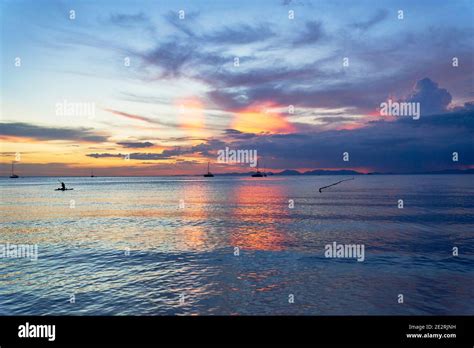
{"x": 260, "y": 118}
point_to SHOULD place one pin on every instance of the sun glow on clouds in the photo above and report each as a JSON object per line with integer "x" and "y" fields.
{"x": 261, "y": 117}
{"x": 191, "y": 117}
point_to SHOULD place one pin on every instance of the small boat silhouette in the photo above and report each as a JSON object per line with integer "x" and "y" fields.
{"x": 209, "y": 174}
{"x": 258, "y": 173}
{"x": 13, "y": 176}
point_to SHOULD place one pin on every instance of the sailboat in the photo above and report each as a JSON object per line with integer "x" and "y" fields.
{"x": 13, "y": 176}
{"x": 92, "y": 173}
{"x": 257, "y": 174}
{"x": 209, "y": 174}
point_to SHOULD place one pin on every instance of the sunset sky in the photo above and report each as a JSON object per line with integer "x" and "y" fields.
{"x": 182, "y": 98}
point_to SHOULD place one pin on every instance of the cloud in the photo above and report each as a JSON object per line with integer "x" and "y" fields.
{"x": 240, "y": 34}
{"x": 136, "y": 144}
{"x": 128, "y": 20}
{"x": 132, "y": 156}
{"x": 139, "y": 118}
{"x": 173, "y": 56}
{"x": 206, "y": 56}
{"x": 468, "y": 106}
{"x": 205, "y": 149}
{"x": 199, "y": 51}
{"x": 403, "y": 145}
{"x": 237, "y": 90}
{"x": 294, "y": 3}
{"x": 378, "y": 17}
{"x": 313, "y": 33}
{"x": 334, "y": 119}
{"x": 432, "y": 99}
{"x": 186, "y": 25}
{"x": 259, "y": 77}
{"x": 151, "y": 120}
{"x": 130, "y": 116}
{"x": 236, "y": 134}
{"x": 26, "y": 130}
{"x": 339, "y": 95}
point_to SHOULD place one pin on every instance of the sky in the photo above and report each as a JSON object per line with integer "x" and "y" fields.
{"x": 160, "y": 87}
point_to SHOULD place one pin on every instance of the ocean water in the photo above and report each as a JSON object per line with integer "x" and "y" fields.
{"x": 166, "y": 246}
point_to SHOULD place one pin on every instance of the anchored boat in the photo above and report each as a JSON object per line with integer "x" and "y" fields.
{"x": 209, "y": 174}
{"x": 13, "y": 176}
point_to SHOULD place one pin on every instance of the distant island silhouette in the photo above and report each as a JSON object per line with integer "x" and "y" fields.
{"x": 289, "y": 172}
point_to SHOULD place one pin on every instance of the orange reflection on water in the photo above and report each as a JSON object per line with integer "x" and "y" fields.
{"x": 261, "y": 239}
{"x": 260, "y": 207}
{"x": 194, "y": 235}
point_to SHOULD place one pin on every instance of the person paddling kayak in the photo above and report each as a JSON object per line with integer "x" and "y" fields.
{"x": 63, "y": 187}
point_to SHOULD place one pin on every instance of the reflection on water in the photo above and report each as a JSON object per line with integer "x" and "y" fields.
{"x": 259, "y": 209}
{"x": 125, "y": 246}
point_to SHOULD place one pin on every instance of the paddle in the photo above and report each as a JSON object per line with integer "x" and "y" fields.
{"x": 334, "y": 184}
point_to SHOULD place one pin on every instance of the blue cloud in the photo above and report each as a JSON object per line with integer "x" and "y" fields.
{"x": 432, "y": 99}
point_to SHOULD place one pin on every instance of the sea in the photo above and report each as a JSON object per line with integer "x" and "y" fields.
{"x": 237, "y": 245}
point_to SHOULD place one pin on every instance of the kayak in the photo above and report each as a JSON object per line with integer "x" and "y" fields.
{"x": 60, "y": 189}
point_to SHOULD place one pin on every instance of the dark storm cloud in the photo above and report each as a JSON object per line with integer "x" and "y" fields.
{"x": 26, "y": 130}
